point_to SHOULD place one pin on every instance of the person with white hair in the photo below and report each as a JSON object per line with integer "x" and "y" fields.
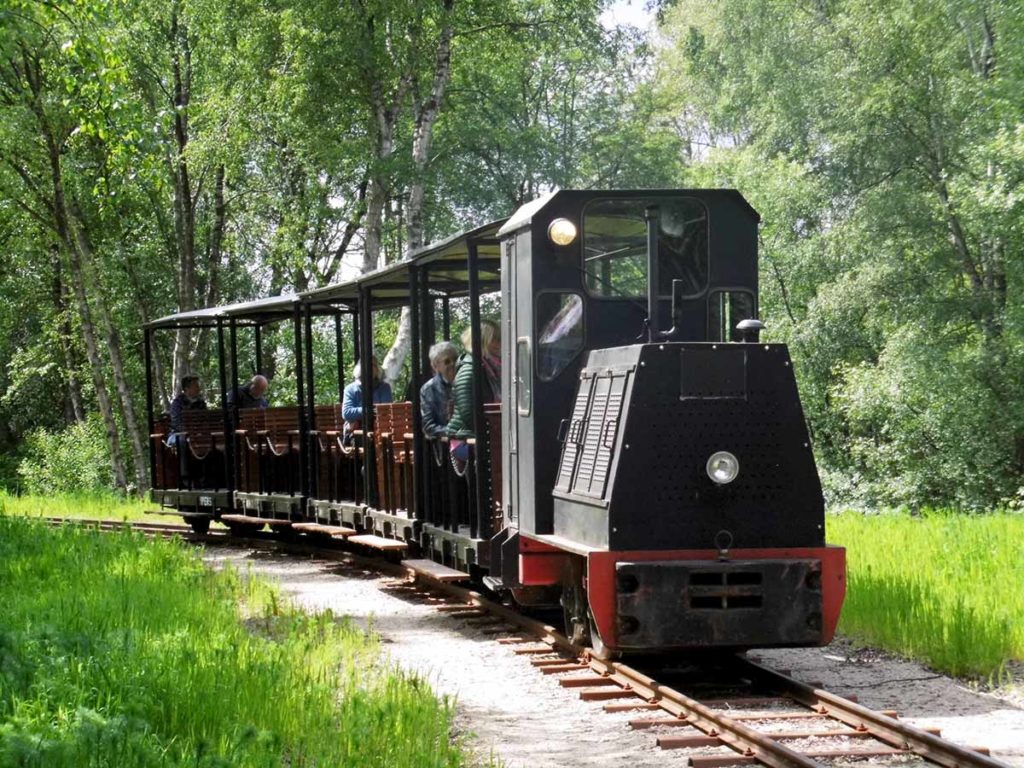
{"x": 352, "y": 400}
{"x": 251, "y": 395}
{"x": 436, "y": 399}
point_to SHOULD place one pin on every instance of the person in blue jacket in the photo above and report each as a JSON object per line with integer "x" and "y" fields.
{"x": 352, "y": 402}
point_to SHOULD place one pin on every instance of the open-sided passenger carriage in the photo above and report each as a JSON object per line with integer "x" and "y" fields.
{"x": 231, "y": 463}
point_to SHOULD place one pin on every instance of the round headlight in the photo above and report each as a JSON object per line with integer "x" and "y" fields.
{"x": 723, "y": 467}
{"x": 562, "y": 231}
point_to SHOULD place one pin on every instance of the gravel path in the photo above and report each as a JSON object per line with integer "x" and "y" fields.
{"x": 511, "y": 712}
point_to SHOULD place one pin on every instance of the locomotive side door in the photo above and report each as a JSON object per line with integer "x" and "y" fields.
{"x": 509, "y": 411}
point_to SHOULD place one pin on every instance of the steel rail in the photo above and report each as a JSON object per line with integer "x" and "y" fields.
{"x": 745, "y": 740}
{"x": 884, "y": 728}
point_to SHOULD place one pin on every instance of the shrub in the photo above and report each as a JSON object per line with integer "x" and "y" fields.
{"x": 74, "y": 460}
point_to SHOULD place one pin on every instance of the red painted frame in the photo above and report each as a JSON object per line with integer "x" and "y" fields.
{"x": 541, "y": 563}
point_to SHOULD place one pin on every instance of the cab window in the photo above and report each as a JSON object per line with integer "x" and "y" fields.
{"x": 559, "y": 324}
{"x": 615, "y": 246}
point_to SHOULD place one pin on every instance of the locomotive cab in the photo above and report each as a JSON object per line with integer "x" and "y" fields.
{"x": 662, "y": 479}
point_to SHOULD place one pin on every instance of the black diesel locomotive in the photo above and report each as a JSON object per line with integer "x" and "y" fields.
{"x": 649, "y": 465}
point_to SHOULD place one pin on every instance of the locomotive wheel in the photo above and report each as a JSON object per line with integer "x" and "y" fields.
{"x": 597, "y": 646}
{"x": 579, "y": 620}
{"x": 575, "y": 612}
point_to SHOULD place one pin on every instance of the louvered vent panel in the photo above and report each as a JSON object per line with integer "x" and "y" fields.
{"x": 606, "y": 446}
{"x": 592, "y": 436}
{"x": 573, "y": 437}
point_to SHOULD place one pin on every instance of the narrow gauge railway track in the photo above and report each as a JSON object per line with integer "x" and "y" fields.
{"x": 743, "y": 713}
{"x": 152, "y": 530}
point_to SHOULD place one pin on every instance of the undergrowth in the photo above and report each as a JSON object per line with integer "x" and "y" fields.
{"x": 118, "y": 651}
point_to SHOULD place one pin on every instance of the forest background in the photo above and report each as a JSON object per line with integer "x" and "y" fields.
{"x": 164, "y": 155}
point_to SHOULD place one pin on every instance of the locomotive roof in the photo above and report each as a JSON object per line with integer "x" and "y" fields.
{"x": 525, "y": 213}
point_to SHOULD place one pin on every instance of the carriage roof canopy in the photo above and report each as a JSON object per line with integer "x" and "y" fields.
{"x": 445, "y": 260}
{"x": 258, "y": 310}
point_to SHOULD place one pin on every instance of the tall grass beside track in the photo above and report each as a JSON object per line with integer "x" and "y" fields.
{"x": 92, "y": 506}
{"x": 944, "y": 588}
{"x": 119, "y": 651}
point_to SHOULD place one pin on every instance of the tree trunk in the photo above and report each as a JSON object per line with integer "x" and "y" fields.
{"x": 184, "y": 212}
{"x": 89, "y": 333}
{"x": 426, "y": 117}
{"x": 113, "y": 339}
{"x": 213, "y": 260}
{"x": 73, "y": 410}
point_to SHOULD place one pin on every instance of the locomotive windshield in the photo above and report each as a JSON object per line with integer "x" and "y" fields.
{"x": 615, "y": 246}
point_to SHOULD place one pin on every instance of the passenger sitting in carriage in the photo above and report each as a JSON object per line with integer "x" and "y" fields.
{"x": 251, "y": 395}
{"x": 436, "y": 398}
{"x": 352, "y": 402}
{"x": 460, "y": 427}
{"x": 190, "y": 398}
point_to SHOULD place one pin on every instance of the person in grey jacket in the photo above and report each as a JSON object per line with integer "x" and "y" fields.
{"x": 436, "y": 398}
{"x": 251, "y": 395}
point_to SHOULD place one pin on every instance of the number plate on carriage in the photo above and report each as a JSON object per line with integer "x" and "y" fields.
{"x": 206, "y": 501}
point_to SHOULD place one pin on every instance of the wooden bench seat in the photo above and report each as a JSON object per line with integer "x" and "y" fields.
{"x": 268, "y": 442}
{"x": 193, "y": 458}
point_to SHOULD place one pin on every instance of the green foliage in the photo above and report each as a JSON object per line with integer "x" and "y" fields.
{"x": 73, "y": 460}
{"x": 939, "y": 587}
{"x": 880, "y": 145}
{"x": 122, "y": 652}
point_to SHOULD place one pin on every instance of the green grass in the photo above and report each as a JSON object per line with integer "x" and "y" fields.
{"x": 118, "y": 651}
{"x": 944, "y": 588}
{"x": 100, "y": 506}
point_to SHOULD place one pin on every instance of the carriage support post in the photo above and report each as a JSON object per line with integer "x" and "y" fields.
{"x": 652, "y": 218}
{"x": 312, "y": 462}
{"x": 229, "y": 453}
{"x": 417, "y": 373}
{"x": 300, "y": 386}
{"x": 258, "y": 329}
{"x": 148, "y": 352}
{"x": 230, "y": 440}
{"x": 480, "y": 522}
{"x": 366, "y": 375}
{"x": 339, "y": 353}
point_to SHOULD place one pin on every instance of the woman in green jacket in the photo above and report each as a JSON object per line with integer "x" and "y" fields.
{"x": 460, "y": 428}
